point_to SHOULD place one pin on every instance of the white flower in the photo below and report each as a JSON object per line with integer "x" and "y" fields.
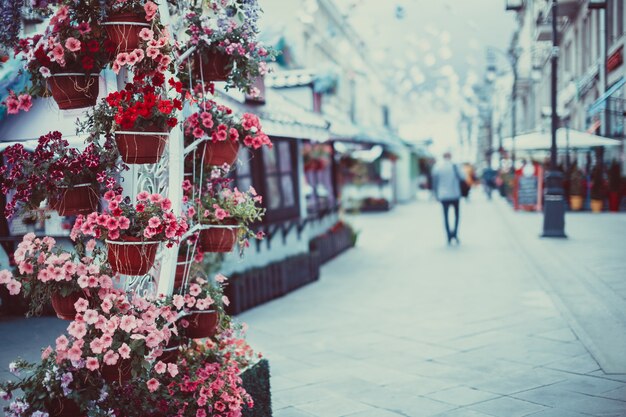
{"x": 14, "y": 369}
{"x": 45, "y": 72}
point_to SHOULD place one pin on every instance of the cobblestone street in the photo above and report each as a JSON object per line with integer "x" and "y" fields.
{"x": 505, "y": 325}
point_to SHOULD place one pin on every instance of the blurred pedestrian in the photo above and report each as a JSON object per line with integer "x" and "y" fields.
{"x": 489, "y": 181}
{"x": 447, "y": 179}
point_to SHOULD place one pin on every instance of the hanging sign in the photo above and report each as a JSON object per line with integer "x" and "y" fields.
{"x": 615, "y": 60}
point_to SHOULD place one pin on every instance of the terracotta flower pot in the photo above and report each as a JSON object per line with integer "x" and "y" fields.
{"x": 597, "y": 205}
{"x": 74, "y": 90}
{"x": 75, "y": 200}
{"x": 219, "y": 153}
{"x": 202, "y": 324}
{"x": 64, "y": 306}
{"x": 63, "y": 407}
{"x": 123, "y": 30}
{"x": 137, "y": 147}
{"x": 576, "y": 202}
{"x": 219, "y": 238}
{"x": 131, "y": 256}
{"x": 120, "y": 372}
{"x": 212, "y": 66}
{"x": 614, "y": 201}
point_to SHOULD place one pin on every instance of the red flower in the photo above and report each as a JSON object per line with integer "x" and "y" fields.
{"x": 88, "y": 63}
{"x": 165, "y": 106}
{"x": 93, "y": 46}
{"x": 172, "y": 122}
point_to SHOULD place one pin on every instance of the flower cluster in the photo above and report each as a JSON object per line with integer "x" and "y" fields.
{"x": 142, "y": 106}
{"x": 117, "y": 330}
{"x": 203, "y": 387}
{"x": 230, "y": 27}
{"x": 149, "y": 219}
{"x": 39, "y": 175}
{"x": 140, "y": 7}
{"x": 217, "y": 123}
{"x": 44, "y": 269}
{"x": 67, "y": 386}
{"x": 219, "y": 204}
{"x": 15, "y": 103}
{"x": 153, "y": 53}
{"x": 69, "y": 44}
{"x": 316, "y": 156}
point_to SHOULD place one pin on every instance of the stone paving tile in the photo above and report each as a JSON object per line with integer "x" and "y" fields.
{"x": 291, "y": 412}
{"x": 336, "y": 407}
{"x": 582, "y": 364}
{"x": 461, "y": 396}
{"x": 616, "y": 394}
{"x": 588, "y": 385}
{"x": 558, "y": 412}
{"x": 462, "y": 412}
{"x": 522, "y": 381}
{"x": 375, "y": 412}
{"x": 403, "y": 403}
{"x": 507, "y": 407}
{"x": 554, "y": 397}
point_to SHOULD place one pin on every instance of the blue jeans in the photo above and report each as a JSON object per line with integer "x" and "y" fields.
{"x": 446, "y": 206}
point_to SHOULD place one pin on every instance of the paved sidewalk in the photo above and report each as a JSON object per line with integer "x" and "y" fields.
{"x": 405, "y": 326}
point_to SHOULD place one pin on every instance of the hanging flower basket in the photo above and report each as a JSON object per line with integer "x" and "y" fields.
{"x": 202, "y": 324}
{"x": 219, "y": 238}
{"x": 120, "y": 372}
{"x": 77, "y": 199}
{"x": 64, "y": 306}
{"x": 219, "y": 153}
{"x": 74, "y": 90}
{"x": 182, "y": 266}
{"x": 212, "y": 66}
{"x": 138, "y": 147}
{"x": 131, "y": 256}
{"x": 63, "y": 407}
{"x": 123, "y": 30}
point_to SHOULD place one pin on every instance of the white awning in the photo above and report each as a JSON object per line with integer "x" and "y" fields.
{"x": 565, "y": 138}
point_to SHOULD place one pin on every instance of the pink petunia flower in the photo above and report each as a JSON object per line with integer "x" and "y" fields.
{"x": 72, "y": 44}
{"x": 92, "y": 363}
{"x": 111, "y": 358}
{"x": 81, "y": 305}
{"x": 153, "y": 385}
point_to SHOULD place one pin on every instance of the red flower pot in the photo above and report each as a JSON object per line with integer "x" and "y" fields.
{"x": 137, "y": 147}
{"x": 123, "y": 30}
{"x": 131, "y": 256}
{"x": 120, "y": 372}
{"x": 614, "y": 200}
{"x": 182, "y": 266}
{"x": 219, "y": 153}
{"x": 75, "y": 200}
{"x": 212, "y": 66}
{"x": 64, "y": 306}
{"x": 63, "y": 407}
{"x": 219, "y": 238}
{"x": 74, "y": 90}
{"x": 201, "y": 324}
{"x": 170, "y": 354}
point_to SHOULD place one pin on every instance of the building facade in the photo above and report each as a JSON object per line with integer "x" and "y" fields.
{"x": 591, "y": 71}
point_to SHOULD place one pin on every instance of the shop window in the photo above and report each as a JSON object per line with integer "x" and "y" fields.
{"x": 273, "y": 173}
{"x": 318, "y": 172}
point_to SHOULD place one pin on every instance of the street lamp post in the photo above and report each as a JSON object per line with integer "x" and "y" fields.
{"x": 554, "y": 202}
